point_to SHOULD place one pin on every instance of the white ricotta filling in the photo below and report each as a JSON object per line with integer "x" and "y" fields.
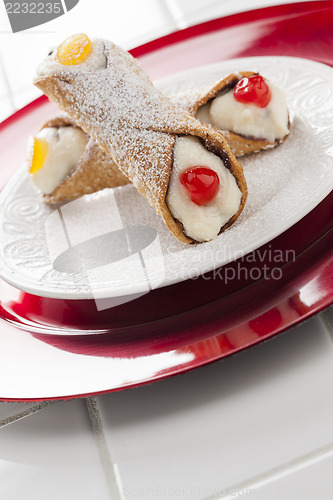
{"x": 65, "y": 148}
{"x": 202, "y": 223}
{"x": 268, "y": 123}
{"x": 95, "y": 60}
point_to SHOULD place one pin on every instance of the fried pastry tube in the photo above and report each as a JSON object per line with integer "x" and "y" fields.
{"x": 184, "y": 168}
{"x": 67, "y": 178}
{"x": 73, "y": 164}
{"x": 249, "y": 111}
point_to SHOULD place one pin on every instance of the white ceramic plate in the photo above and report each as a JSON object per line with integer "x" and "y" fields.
{"x": 112, "y": 244}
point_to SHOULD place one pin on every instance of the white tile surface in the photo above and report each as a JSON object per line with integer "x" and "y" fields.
{"x": 3, "y": 89}
{"x": 6, "y": 108}
{"x": 20, "y": 53}
{"x": 207, "y": 431}
{"x": 51, "y": 454}
{"x": 25, "y": 95}
{"x": 6, "y": 103}
{"x": 327, "y": 318}
{"x": 311, "y": 480}
{"x": 4, "y": 21}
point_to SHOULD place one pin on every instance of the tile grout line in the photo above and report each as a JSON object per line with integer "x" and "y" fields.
{"x": 25, "y": 413}
{"x": 9, "y": 93}
{"x": 175, "y": 13}
{"x": 109, "y": 468}
{"x": 326, "y": 317}
{"x": 279, "y": 472}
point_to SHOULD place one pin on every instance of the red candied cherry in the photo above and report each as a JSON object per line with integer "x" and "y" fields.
{"x": 202, "y": 183}
{"x": 253, "y": 90}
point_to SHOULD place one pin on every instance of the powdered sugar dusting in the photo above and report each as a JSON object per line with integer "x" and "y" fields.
{"x": 95, "y": 60}
{"x": 129, "y": 118}
{"x": 187, "y": 98}
{"x": 279, "y": 182}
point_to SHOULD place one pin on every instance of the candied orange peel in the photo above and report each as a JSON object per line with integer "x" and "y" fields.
{"x": 39, "y": 152}
{"x": 74, "y": 50}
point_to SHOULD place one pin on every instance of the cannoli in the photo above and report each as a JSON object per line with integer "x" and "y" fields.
{"x": 95, "y": 170}
{"x": 65, "y": 163}
{"x": 64, "y": 180}
{"x": 185, "y": 169}
{"x": 250, "y": 112}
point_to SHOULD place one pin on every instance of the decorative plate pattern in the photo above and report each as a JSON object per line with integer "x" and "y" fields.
{"x": 113, "y": 244}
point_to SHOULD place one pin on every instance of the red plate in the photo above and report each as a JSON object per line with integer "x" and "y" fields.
{"x": 194, "y": 322}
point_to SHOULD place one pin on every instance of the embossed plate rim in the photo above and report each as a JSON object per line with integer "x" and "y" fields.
{"x": 64, "y": 292}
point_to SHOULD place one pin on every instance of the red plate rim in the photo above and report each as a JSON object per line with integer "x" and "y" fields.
{"x": 174, "y": 38}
